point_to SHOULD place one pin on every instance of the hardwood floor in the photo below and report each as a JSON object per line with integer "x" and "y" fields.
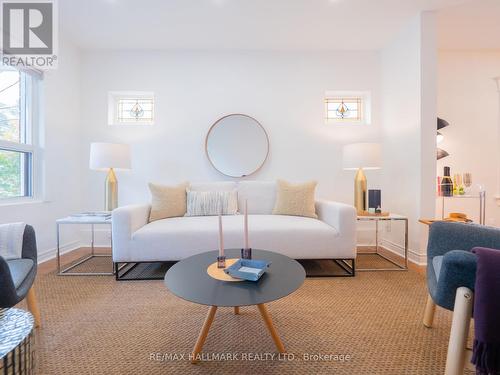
{"x": 399, "y": 259}
{"x": 51, "y": 265}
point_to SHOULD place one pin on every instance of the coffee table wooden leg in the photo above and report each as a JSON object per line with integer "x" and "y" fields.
{"x": 269, "y": 323}
{"x": 203, "y": 333}
{"x": 236, "y": 310}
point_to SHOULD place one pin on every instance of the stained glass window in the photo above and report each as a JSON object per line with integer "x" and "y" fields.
{"x": 348, "y": 109}
{"x": 131, "y": 108}
{"x": 135, "y": 110}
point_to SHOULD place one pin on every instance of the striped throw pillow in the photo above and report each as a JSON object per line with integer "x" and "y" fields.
{"x": 209, "y": 203}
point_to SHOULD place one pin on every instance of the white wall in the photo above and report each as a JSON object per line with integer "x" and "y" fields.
{"x": 284, "y": 91}
{"x": 61, "y": 150}
{"x": 468, "y": 100}
{"x": 409, "y": 117}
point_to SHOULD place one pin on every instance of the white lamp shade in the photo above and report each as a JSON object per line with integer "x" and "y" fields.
{"x": 362, "y": 155}
{"x": 109, "y": 155}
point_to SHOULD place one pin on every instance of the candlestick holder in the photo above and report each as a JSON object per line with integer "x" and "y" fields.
{"x": 246, "y": 253}
{"x": 221, "y": 261}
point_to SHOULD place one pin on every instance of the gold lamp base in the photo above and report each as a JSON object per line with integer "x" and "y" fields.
{"x": 111, "y": 191}
{"x": 360, "y": 191}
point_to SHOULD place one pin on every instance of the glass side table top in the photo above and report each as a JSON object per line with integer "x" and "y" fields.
{"x": 391, "y": 216}
{"x": 88, "y": 219}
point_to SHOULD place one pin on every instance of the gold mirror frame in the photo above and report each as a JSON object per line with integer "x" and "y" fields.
{"x": 215, "y": 124}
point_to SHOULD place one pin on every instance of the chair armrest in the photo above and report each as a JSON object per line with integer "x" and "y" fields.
{"x": 446, "y": 236}
{"x": 457, "y": 270}
{"x": 341, "y": 216}
{"x": 29, "y": 244}
{"x": 8, "y": 297}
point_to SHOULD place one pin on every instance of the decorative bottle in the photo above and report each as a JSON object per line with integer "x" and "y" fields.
{"x": 446, "y": 183}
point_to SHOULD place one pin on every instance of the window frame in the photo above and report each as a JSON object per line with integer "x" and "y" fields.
{"x": 29, "y": 136}
{"x": 365, "y": 108}
{"x": 114, "y": 98}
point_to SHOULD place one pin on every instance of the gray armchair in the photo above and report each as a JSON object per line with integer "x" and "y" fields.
{"x": 451, "y": 275}
{"x": 17, "y": 276}
{"x": 450, "y": 262}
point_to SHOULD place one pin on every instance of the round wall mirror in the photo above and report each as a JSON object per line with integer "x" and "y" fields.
{"x": 237, "y": 145}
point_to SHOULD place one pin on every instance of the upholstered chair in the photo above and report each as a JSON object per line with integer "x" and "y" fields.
{"x": 451, "y": 275}
{"x": 17, "y": 276}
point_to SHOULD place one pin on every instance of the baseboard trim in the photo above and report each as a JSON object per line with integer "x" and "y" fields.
{"x": 397, "y": 249}
{"x": 52, "y": 253}
{"x": 412, "y": 265}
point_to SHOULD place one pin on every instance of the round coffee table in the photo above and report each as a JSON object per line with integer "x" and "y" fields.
{"x": 189, "y": 280}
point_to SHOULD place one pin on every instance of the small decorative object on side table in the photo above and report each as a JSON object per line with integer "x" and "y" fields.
{"x": 456, "y": 217}
{"x": 17, "y": 342}
{"x": 385, "y": 216}
{"x": 374, "y": 200}
{"x": 92, "y": 218}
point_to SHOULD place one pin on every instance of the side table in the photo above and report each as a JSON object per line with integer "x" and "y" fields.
{"x": 377, "y": 219}
{"x": 17, "y": 342}
{"x": 92, "y": 221}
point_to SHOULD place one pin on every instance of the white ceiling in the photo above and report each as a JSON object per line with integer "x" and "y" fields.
{"x": 239, "y": 24}
{"x": 472, "y": 25}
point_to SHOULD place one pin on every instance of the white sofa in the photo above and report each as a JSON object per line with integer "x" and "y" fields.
{"x": 331, "y": 236}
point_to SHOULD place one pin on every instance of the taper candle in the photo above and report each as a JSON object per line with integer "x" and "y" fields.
{"x": 246, "y": 225}
{"x": 221, "y": 238}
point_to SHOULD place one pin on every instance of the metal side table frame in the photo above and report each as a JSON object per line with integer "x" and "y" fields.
{"x": 377, "y": 219}
{"x": 92, "y": 221}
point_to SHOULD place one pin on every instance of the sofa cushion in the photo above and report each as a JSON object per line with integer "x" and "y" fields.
{"x": 178, "y": 238}
{"x": 167, "y": 201}
{"x": 261, "y": 196}
{"x": 295, "y": 199}
{"x": 213, "y": 186}
{"x": 19, "y": 269}
{"x": 205, "y": 203}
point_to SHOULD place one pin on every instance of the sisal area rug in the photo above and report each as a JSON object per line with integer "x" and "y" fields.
{"x": 370, "y": 324}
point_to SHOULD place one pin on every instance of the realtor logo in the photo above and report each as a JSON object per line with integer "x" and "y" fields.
{"x": 29, "y": 33}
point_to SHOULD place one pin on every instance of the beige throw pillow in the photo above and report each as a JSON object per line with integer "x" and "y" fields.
{"x": 167, "y": 201}
{"x": 295, "y": 199}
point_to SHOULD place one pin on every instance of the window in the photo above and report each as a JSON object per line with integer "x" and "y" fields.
{"x": 131, "y": 108}
{"x": 16, "y": 135}
{"x": 347, "y": 107}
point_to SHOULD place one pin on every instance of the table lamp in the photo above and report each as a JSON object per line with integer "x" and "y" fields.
{"x": 110, "y": 157}
{"x": 361, "y": 156}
